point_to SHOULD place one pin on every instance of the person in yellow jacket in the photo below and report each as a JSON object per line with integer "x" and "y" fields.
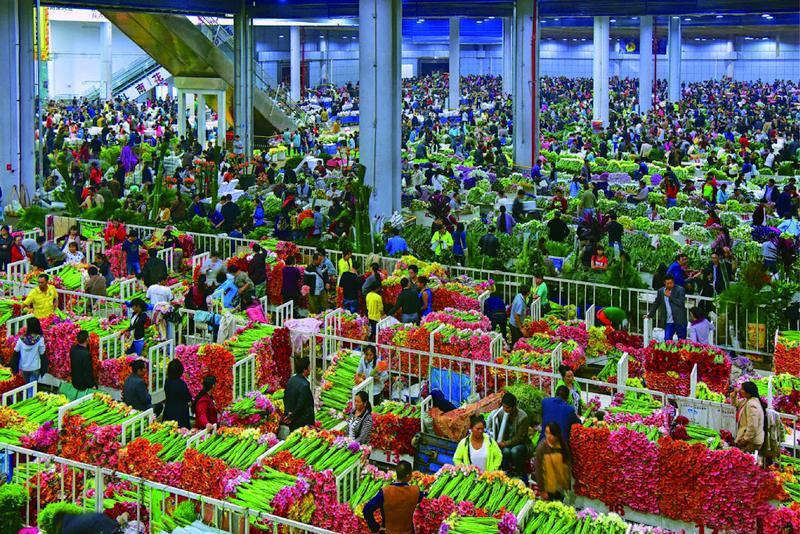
{"x": 478, "y": 448}
{"x": 441, "y": 240}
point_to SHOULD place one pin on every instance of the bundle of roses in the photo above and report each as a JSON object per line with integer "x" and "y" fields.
{"x": 463, "y": 320}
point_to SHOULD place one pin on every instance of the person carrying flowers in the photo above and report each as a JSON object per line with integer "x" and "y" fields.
{"x": 478, "y": 448}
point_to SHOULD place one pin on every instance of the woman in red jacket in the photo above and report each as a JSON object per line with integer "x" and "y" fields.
{"x": 17, "y": 250}
{"x": 205, "y": 411}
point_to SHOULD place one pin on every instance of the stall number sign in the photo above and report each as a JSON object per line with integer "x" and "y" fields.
{"x": 155, "y": 79}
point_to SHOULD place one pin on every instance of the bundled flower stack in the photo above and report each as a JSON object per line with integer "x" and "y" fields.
{"x": 460, "y": 292}
{"x": 205, "y": 360}
{"x": 634, "y": 402}
{"x": 255, "y": 410}
{"x": 492, "y": 491}
{"x": 449, "y": 341}
{"x": 171, "y": 439}
{"x": 310, "y": 497}
{"x": 353, "y": 326}
{"x": 256, "y": 339}
{"x": 558, "y": 517}
{"x": 668, "y": 366}
{"x": 538, "y": 348}
{"x": 373, "y": 480}
{"x": 323, "y": 450}
{"x": 394, "y": 426}
{"x": 461, "y": 319}
{"x": 238, "y": 448}
{"x": 787, "y": 352}
{"x": 14, "y": 426}
{"x": 721, "y": 489}
{"x": 30, "y": 422}
{"x": 337, "y": 387}
{"x": 9, "y": 381}
{"x": 458, "y": 524}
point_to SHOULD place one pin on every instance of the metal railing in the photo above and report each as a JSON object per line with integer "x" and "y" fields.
{"x": 222, "y": 36}
{"x": 80, "y": 484}
{"x": 126, "y": 77}
{"x": 738, "y": 329}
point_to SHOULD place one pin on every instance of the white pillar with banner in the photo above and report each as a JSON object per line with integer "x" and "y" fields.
{"x": 674, "y": 58}
{"x": 600, "y": 71}
{"x": 455, "y": 62}
{"x": 646, "y": 73}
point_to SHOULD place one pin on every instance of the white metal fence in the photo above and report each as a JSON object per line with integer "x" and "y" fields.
{"x": 738, "y": 329}
{"x": 80, "y": 484}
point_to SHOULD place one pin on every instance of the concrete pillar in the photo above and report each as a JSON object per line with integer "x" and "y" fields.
{"x": 27, "y": 100}
{"x": 201, "y": 120}
{"x": 455, "y": 62}
{"x": 106, "y": 66}
{"x": 181, "y": 113}
{"x": 674, "y": 58}
{"x": 222, "y": 126}
{"x": 524, "y": 93}
{"x": 645, "y": 63}
{"x": 243, "y": 78}
{"x": 379, "y": 65}
{"x": 508, "y": 55}
{"x": 729, "y": 61}
{"x": 324, "y": 74}
{"x": 600, "y": 71}
{"x": 192, "y": 118}
{"x": 294, "y": 62}
{"x": 17, "y": 121}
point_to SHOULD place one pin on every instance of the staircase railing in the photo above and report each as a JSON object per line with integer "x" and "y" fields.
{"x": 127, "y": 76}
{"x": 222, "y": 36}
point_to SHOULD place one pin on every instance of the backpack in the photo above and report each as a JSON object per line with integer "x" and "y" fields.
{"x": 774, "y": 434}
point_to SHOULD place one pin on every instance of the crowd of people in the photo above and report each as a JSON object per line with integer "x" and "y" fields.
{"x": 758, "y": 120}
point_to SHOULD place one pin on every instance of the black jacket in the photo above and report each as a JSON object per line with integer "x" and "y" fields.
{"x": 298, "y": 402}
{"x": 80, "y": 363}
{"x": 489, "y": 245}
{"x": 134, "y": 393}
{"x": 407, "y": 302}
{"x": 89, "y": 523}
{"x": 557, "y": 230}
{"x": 154, "y": 271}
{"x": 350, "y": 284}
{"x": 615, "y": 231}
{"x": 257, "y": 270}
{"x": 177, "y": 401}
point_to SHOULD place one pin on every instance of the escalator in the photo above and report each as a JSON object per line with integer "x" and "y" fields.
{"x": 184, "y": 50}
{"x": 128, "y": 77}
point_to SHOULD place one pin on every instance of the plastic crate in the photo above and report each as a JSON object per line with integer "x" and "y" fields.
{"x": 433, "y": 452}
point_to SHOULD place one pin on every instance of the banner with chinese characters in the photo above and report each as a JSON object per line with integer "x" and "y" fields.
{"x": 154, "y": 79}
{"x": 42, "y": 15}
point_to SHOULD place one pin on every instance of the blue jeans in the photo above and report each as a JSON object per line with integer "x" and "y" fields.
{"x": 133, "y": 267}
{"x": 588, "y": 211}
{"x": 671, "y": 202}
{"x": 409, "y": 318}
{"x": 350, "y": 305}
{"x": 136, "y": 347}
{"x": 670, "y": 329}
{"x": 618, "y": 243}
{"x": 514, "y": 459}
